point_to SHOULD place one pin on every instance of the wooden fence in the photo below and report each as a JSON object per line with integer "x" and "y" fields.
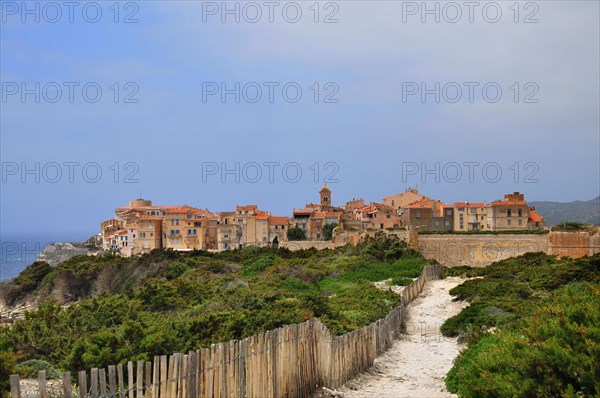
{"x": 292, "y": 361}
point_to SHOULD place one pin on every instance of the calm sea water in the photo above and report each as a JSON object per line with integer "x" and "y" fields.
{"x": 18, "y": 250}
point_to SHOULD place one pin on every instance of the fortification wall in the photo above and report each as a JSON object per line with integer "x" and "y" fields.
{"x": 479, "y": 250}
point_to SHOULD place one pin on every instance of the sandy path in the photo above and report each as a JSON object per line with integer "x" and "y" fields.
{"x": 415, "y": 366}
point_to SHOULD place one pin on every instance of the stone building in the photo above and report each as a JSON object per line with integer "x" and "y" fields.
{"x": 430, "y": 215}
{"x": 509, "y": 214}
{"x": 470, "y": 216}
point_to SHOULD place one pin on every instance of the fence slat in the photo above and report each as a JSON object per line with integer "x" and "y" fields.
{"x": 82, "y": 380}
{"x": 112, "y": 385}
{"x": 130, "y": 382}
{"x": 94, "y": 383}
{"x": 140, "y": 379}
{"x": 66, "y": 381}
{"x": 42, "y": 384}
{"x": 121, "y": 380}
{"x": 155, "y": 376}
{"x": 163, "y": 376}
{"x": 102, "y": 376}
{"x": 15, "y": 386}
{"x": 148, "y": 381}
{"x": 193, "y": 369}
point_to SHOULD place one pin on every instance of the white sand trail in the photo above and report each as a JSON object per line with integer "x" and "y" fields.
{"x": 416, "y": 365}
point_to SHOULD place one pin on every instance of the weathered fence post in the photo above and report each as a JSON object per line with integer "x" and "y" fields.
{"x": 15, "y": 386}
{"x": 66, "y": 379}
{"x": 42, "y": 384}
{"x": 82, "y": 380}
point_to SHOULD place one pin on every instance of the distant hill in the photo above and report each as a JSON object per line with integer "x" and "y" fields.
{"x": 587, "y": 212}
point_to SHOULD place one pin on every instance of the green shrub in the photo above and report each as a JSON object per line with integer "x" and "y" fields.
{"x": 328, "y": 231}
{"x": 548, "y": 329}
{"x": 401, "y": 281}
{"x": 8, "y": 361}
{"x": 296, "y": 233}
{"x": 29, "y": 369}
{"x": 552, "y": 353}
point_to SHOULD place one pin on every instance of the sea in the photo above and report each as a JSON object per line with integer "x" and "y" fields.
{"x": 18, "y": 250}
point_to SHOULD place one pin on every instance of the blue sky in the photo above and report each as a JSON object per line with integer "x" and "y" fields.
{"x": 367, "y": 57}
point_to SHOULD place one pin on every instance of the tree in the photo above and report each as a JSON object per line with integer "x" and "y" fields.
{"x": 296, "y": 233}
{"x": 328, "y": 231}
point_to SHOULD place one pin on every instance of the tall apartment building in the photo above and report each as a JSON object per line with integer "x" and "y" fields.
{"x": 470, "y": 216}
{"x": 509, "y": 214}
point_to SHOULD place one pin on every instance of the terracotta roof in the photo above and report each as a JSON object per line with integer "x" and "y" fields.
{"x": 327, "y": 214}
{"x": 469, "y": 205}
{"x": 499, "y": 203}
{"x": 183, "y": 209}
{"x": 422, "y": 204}
{"x": 279, "y": 220}
{"x": 400, "y": 197}
{"x": 427, "y": 204}
{"x": 247, "y": 208}
{"x": 534, "y": 216}
{"x": 262, "y": 215}
{"x": 148, "y": 207}
{"x": 303, "y": 211}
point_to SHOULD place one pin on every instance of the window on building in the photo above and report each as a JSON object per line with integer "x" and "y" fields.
{"x": 437, "y": 223}
{"x": 462, "y": 226}
{"x": 509, "y": 213}
{"x": 448, "y": 212}
{"x": 520, "y": 222}
{"x": 520, "y": 212}
{"x": 473, "y": 210}
{"x": 418, "y": 214}
{"x": 509, "y": 222}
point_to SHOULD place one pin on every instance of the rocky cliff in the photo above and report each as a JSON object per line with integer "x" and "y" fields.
{"x": 55, "y": 253}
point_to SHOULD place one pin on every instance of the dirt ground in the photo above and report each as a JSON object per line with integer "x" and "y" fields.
{"x": 416, "y": 365}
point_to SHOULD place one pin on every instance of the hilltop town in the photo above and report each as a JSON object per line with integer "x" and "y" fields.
{"x": 141, "y": 226}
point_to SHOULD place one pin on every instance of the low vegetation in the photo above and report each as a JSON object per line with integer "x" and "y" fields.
{"x": 97, "y": 311}
{"x": 533, "y": 328}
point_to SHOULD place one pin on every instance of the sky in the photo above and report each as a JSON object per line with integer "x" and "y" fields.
{"x": 214, "y": 104}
